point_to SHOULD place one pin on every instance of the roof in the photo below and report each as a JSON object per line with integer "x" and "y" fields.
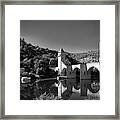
{"x": 67, "y": 59}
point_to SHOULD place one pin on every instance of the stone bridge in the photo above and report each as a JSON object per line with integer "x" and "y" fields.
{"x": 83, "y": 69}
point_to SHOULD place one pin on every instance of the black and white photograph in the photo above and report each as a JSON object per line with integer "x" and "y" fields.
{"x": 59, "y": 60}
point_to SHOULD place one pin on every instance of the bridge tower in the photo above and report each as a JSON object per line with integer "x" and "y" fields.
{"x": 59, "y": 72}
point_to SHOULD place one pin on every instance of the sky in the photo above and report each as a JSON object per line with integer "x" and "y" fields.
{"x": 72, "y": 35}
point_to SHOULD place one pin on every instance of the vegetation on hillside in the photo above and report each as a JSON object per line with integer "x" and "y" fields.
{"x": 35, "y": 64}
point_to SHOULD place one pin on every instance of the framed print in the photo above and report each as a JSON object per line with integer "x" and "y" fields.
{"x": 60, "y": 60}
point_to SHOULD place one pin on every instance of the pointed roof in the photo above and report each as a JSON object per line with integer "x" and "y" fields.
{"x": 67, "y": 59}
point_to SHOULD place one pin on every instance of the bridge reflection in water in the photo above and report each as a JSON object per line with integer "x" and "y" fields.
{"x": 79, "y": 83}
{"x": 71, "y": 84}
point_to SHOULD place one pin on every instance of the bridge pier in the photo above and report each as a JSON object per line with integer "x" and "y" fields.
{"x": 59, "y": 88}
{"x": 83, "y": 88}
{"x": 83, "y": 79}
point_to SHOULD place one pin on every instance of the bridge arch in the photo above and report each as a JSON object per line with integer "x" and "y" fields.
{"x": 94, "y": 77}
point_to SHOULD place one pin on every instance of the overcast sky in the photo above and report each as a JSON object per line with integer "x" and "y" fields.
{"x": 74, "y": 36}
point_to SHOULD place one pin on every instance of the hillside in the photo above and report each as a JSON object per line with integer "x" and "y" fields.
{"x": 87, "y": 57}
{"x": 34, "y": 59}
{"x": 29, "y": 53}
